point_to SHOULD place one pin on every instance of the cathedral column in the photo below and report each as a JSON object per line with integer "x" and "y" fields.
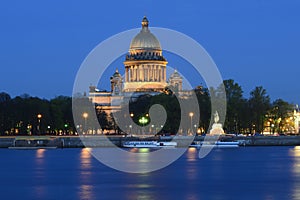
{"x": 156, "y": 74}
{"x": 145, "y": 73}
{"x": 126, "y": 75}
{"x": 148, "y": 71}
{"x": 160, "y": 73}
{"x": 130, "y": 72}
{"x": 165, "y": 74}
{"x": 133, "y": 73}
{"x": 142, "y": 71}
{"x": 136, "y": 73}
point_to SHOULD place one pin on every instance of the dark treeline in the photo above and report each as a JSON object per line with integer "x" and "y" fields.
{"x": 26, "y": 115}
{"x": 255, "y": 114}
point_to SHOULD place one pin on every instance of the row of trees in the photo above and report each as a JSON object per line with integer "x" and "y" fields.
{"x": 31, "y": 115}
{"x": 255, "y": 114}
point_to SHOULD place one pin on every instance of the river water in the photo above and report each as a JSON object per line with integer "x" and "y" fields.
{"x": 237, "y": 173}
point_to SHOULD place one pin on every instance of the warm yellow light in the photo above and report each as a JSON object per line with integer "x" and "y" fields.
{"x": 191, "y": 114}
{"x": 39, "y": 116}
{"x": 85, "y": 115}
{"x": 131, "y": 114}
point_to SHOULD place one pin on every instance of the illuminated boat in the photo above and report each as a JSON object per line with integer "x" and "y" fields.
{"x": 148, "y": 144}
{"x": 218, "y": 144}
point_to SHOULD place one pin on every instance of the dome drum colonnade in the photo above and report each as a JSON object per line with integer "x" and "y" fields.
{"x": 145, "y": 66}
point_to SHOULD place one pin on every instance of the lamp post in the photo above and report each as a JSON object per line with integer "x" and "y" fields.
{"x": 143, "y": 120}
{"x": 130, "y": 128}
{"x": 191, "y": 114}
{"x": 85, "y": 115}
{"x": 39, "y": 116}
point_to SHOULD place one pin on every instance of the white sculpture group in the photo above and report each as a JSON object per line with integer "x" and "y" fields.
{"x": 216, "y": 127}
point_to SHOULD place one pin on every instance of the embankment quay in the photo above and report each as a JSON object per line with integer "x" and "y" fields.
{"x": 112, "y": 141}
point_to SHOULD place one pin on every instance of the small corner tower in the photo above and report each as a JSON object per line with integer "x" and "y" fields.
{"x": 175, "y": 81}
{"x": 116, "y": 83}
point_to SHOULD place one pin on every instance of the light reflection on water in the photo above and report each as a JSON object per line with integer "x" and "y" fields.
{"x": 39, "y": 171}
{"x": 86, "y": 188}
{"x": 191, "y": 167}
{"x": 272, "y": 172}
{"x": 40, "y": 156}
{"x": 192, "y": 154}
{"x": 295, "y": 153}
{"x": 140, "y": 190}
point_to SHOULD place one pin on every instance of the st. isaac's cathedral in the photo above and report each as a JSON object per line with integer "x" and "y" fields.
{"x": 145, "y": 73}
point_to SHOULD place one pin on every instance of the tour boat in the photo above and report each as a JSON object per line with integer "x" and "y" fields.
{"x": 32, "y": 147}
{"x": 218, "y": 144}
{"x": 148, "y": 144}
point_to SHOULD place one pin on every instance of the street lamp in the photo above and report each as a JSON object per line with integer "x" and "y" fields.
{"x": 273, "y": 130}
{"x": 191, "y": 114}
{"x": 130, "y": 127}
{"x": 143, "y": 120}
{"x": 39, "y": 116}
{"x": 85, "y": 115}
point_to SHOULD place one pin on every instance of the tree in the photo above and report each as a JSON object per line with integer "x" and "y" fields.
{"x": 61, "y": 114}
{"x": 259, "y": 103}
{"x": 235, "y": 101}
{"x": 4, "y": 97}
{"x": 204, "y": 106}
{"x": 278, "y": 113}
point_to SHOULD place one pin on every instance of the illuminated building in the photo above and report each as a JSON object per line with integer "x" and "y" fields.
{"x": 145, "y": 73}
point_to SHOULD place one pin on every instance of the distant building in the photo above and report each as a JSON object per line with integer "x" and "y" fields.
{"x": 145, "y": 73}
{"x": 296, "y": 117}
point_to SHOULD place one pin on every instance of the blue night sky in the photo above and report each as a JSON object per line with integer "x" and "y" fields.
{"x": 43, "y": 43}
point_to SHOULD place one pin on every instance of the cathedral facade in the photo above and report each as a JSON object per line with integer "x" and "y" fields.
{"x": 145, "y": 73}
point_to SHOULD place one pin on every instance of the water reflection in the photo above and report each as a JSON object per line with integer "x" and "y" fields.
{"x": 141, "y": 159}
{"x": 192, "y": 154}
{"x": 192, "y": 171}
{"x": 86, "y": 192}
{"x": 86, "y": 186}
{"x": 295, "y": 153}
{"x": 40, "y": 175}
{"x": 140, "y": 190}
{"x": 40, "y": 156}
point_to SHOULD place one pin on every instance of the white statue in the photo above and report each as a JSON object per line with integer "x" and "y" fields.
{"x": 216, "y": 127}
{"x": 216, "y": 117}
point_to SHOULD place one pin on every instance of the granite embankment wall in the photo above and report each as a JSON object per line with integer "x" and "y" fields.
{"x": 101, "y": 141}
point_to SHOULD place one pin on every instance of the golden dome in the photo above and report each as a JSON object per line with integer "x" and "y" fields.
{"x": 145, "y": 39}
